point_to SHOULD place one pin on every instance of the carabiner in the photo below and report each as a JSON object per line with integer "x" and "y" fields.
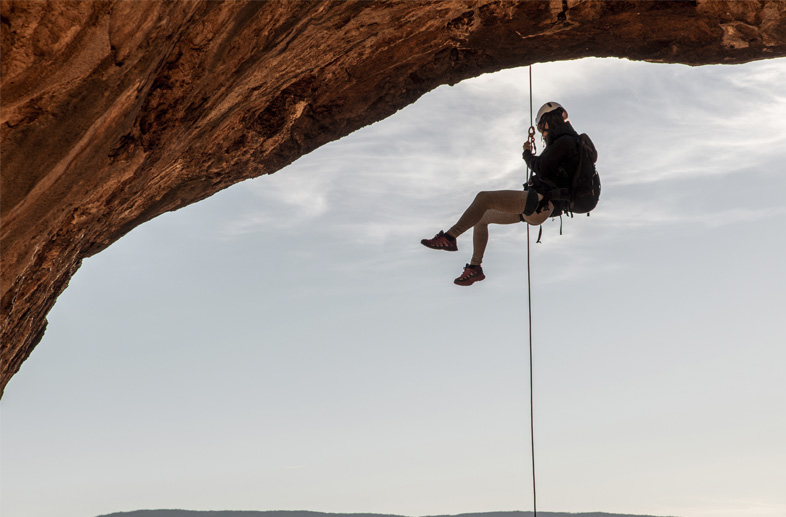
{"x": 531, "y": 138}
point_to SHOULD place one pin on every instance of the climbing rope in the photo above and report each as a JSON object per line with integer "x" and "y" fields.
{"x": 531, "y": 139}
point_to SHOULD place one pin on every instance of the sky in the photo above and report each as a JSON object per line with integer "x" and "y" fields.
{"x": 288, "y": 344}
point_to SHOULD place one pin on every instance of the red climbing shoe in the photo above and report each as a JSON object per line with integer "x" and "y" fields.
{"x": 440, "y": 242}
{"x": 470, "y": 275}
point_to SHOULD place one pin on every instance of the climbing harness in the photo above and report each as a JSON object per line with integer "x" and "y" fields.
{"x": 531, "y": 138}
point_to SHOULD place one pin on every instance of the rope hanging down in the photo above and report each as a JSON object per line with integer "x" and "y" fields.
{"x": 531, "y": 138}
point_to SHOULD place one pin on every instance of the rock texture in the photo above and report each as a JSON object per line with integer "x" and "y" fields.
{"x": 114, "y": 112}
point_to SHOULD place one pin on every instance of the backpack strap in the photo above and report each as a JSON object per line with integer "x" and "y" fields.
{"x": 577, "y": 173}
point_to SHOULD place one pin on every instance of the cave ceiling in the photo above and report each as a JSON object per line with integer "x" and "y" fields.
{"x": 114, "y": 112}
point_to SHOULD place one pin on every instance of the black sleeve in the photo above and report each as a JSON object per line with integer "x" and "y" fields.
{"x": 530, "y": 159}
{"x": 551, "y": 158}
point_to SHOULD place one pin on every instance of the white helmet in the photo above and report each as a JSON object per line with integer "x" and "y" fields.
{"x": 550, "y": 106}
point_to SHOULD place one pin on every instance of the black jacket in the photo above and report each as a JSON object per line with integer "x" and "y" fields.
{"x": 558, "y": 161}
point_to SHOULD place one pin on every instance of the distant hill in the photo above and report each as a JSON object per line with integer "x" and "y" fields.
{"x": 188, "y": 513}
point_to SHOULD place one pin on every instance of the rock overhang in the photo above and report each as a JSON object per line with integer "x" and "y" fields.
{"x": 115, "y": 112}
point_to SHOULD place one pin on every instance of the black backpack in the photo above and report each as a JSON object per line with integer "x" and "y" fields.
{"x": 585, "y": 187}
{"x": 584, "y": 192}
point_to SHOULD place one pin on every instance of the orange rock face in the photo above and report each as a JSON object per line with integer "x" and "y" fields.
{"x": 114, "y": 112}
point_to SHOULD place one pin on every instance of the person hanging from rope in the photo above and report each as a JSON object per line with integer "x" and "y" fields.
{"x": 551, "y": 190}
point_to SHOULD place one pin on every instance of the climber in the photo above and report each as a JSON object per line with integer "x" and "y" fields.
{"x": 552, "y": 173}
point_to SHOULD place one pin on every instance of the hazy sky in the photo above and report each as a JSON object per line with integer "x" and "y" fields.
{"x": 288, "y": 344}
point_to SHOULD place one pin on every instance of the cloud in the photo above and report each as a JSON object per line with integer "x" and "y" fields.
{"x": 695, "y": 122}
{"x": 632, "y": 216}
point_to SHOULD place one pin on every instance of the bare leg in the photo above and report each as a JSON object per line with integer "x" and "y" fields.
{"x": 507, "y": 201}
{"x": 480, "y": 232}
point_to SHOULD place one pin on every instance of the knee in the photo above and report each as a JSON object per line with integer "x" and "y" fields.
{"x": 482, "y": 196}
